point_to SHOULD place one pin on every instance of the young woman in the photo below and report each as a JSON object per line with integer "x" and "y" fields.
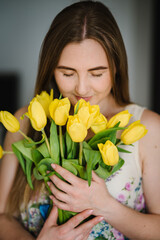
{"x": 83, "y": 57}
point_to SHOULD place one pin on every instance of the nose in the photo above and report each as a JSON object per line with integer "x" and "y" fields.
{"x": 82, "y": 86}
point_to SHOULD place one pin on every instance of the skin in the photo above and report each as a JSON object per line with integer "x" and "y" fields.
{"x": 80, "y": 59}
{"x": 77, "y": 78}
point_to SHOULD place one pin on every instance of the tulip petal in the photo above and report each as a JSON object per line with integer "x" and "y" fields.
{"x": 9, "y": 121}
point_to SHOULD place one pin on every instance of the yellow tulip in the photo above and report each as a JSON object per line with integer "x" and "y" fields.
{"x": 100, "y": 124}
{"x": 87, "y": 113}
{"x": 9, "y": 121}
{"x": 45, "y": 99}
{"x": 59, "y": 110}
{"x": 109, "y": 153}
{"x": 133, "y": 133}
{"x": 1, "y": 152}
{"x": 76, "y": 129}
{"x": 37, "y": 115}
{"x": 122, "y": 117}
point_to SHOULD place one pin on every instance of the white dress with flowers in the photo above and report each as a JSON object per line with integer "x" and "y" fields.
{"x": 125, "y": 186}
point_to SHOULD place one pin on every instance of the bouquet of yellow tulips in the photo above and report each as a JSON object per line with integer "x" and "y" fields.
{"x": 66, "y": 144}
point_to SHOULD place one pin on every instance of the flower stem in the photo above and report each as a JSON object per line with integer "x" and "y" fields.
{"x": 24, "y": 135}
{"x": 80, "y": 153}
{"x": 60, "y": 142}
{"x": 8, "y": 152}
{"x": 46, "y": 140}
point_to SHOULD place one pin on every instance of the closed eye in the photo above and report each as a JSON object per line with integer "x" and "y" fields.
{"x": 97, "y": 75}
{"x": 67, "y": 75}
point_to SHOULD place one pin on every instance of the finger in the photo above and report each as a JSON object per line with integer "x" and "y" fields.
{"x": 59, "y": 204}
{"x": 53, "y": 216}
{"x": 95, "y": 177}
{"x": 68, "y": 176}
{"x": 60, "y": 184}
{"x": 87, "y": 226}
{"x": 77, "y": 219}
{"x": 58, "y": 193}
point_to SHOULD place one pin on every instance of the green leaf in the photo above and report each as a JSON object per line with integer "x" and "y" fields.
{"x": 36, "y": 174}
{"x": 104, "y": 133}
{"x": 29, "y": 172}
{"x": 20, "y": 157}
{"x": 92, "y": 158}
{"x": 72, "y": 147}
{"x": 82, "y": 173}
{"x": 123, "y": 150}
{"x": 86, "y": 145}
{"x": 21, "y": 148}
{"x": 54, "y": 143}
{"x": 36, "y": 156}
{"x": 102, "y": 172}
{"x": 31, "y": 143}
{"x": 43, "y": 149}
{"x": 46, "y": 163}
{"x": 117, "y": 166}
{"x": 102, "y": 140}
{"x": 67, "y": 164}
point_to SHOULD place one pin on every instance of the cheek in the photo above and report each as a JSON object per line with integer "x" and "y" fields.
{"x": 104, "y": 85}
{"x": 64, "y": 85}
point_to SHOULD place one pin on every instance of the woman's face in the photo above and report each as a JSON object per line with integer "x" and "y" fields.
{"x": 83, "y": 72}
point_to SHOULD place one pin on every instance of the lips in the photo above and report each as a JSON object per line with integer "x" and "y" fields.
{"x": 84, "y": 98}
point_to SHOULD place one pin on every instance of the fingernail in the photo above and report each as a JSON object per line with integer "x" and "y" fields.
{"x": 53, "y": 165}
{"x": 49, "y": 183}
{"x": 90, "y": 211}
{"x": 101, "y": 219}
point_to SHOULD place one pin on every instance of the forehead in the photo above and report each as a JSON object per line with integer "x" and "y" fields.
{"x": 89, "y": 53}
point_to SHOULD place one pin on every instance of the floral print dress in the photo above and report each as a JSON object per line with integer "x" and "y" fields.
{"x": 125, "y": 186}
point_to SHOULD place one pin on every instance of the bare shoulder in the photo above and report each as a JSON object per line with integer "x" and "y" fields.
{"x": 150, "y": 143}
{"x": 152, "y": 122}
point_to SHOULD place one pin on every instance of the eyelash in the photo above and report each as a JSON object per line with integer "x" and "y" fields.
{"x": 70, "y": 75}
{"x": 97, "y": 75}
{"x": 67, "y": 75}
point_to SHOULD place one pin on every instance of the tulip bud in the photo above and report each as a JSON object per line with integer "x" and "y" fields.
{"x": 87, "y": 113}
{"x": 45, "y": 99}
{"x": 122, "y": 117}
{"x": 59, "y": 110}
{"x": 133, "y": 133}
{"x": 100, "y": 124}
{"x": 37, "y": 115}
{"x": 9, "y": 121}
{"x": 1, "y": 152}
{"x": 109, "y": 153}
{"x": 76, "y": 129}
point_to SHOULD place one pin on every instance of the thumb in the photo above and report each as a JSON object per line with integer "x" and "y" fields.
{"x": 95, "y": 177}
{"x": 52, "y": 218}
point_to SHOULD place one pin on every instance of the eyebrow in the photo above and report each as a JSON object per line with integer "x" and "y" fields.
{"x": 91, "y": 69}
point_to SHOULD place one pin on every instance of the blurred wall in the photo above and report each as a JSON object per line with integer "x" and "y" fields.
{"x": 23, "y": 25}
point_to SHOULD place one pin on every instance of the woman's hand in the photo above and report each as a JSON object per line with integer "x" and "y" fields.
{"x": 69, "y": 230}
{"x": 75, "y": 194}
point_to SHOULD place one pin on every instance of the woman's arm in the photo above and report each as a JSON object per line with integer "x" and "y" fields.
{"x": 77, "y": 196}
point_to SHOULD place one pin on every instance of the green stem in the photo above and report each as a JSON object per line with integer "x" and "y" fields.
{"x": 8, "y": 152}
{"x": 119, "y": 143}
{"x": 24, "y": 135}
{"x": 46, "y": 140}
{"x": 60, "y": 142}
{"x": 80, "y": 153}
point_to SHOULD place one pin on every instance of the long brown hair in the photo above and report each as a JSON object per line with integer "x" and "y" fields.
{"x": 79, "y": 21}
